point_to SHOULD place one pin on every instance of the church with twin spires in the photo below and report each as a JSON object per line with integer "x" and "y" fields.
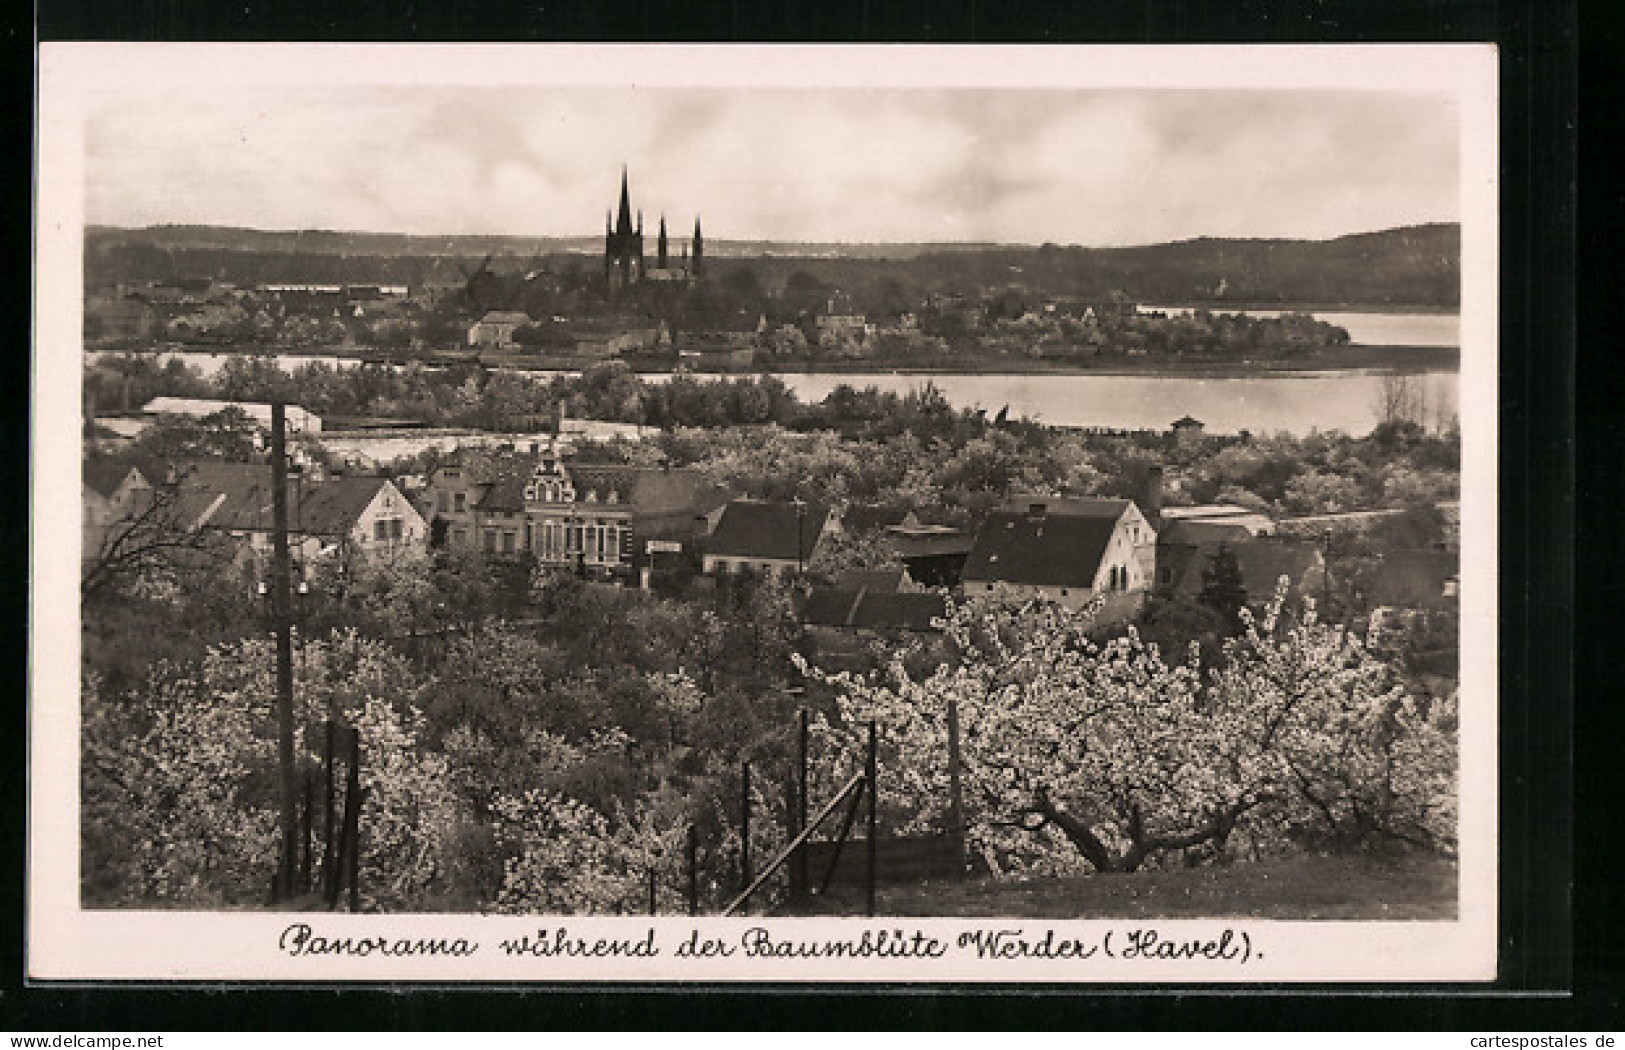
{"x": 624, "y": 262}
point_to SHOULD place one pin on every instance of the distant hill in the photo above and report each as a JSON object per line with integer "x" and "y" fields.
{"x": 1410, "y": 266}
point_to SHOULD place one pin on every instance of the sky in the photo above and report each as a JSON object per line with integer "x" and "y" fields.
{"x": 1087, "y": 166}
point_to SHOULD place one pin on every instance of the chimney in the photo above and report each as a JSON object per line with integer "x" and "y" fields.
{"x": 1153, "y": 495}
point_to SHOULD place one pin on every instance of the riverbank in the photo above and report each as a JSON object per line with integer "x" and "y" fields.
{"x": 1354, "y": 358}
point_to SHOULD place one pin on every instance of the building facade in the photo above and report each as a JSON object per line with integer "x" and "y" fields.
{"x": 595, "y": 519}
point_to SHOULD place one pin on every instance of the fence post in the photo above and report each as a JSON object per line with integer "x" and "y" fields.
{"x": 744, "y": 826}
{"x": 870, "y": 768}
{"x": 693, "y": 870}
{"x": 288, "y": 860}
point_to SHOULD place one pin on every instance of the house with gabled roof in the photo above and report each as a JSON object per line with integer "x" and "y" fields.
{"x": 353, "y": 515}
{"x": 110, "y": 490}
{"x": 767, "y": 536}
{"x": 1064, "y": 550}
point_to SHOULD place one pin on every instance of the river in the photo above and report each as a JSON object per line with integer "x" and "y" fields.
{"x": 1296, "y": 402}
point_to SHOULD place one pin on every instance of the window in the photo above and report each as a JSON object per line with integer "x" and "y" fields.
{"x": 460, "y": 502}
{"x": 380, "y": 530}
{"x": 442, "y": 502}
{"x": 491, "y": 540}
{"x": 722, "y": 565}
{"x": 459, "y": 536}
{"x": 397, "y": 529}
{"x": 508, "y": 542}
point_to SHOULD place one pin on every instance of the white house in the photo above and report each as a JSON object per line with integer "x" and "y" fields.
{"x": 1064, "y": 550}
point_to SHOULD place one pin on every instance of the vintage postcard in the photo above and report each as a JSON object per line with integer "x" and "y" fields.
{"x": 968, "y": 514}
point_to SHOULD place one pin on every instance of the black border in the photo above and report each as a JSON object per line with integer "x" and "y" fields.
{"x": 1539, "y": 52}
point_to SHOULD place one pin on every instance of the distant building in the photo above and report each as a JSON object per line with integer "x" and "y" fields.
{"x": 497, "y": 328}
{"x": 624, "y": 262}
{"x": 766, "y": 536}
{"x": 1187, "y": 428}
{"x": 1069, "y": 551}
{"x": 119, "y": 319}
{"x": 298, "y": 419}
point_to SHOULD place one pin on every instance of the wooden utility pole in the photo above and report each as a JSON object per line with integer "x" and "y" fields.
{"x": 281, "y": 611}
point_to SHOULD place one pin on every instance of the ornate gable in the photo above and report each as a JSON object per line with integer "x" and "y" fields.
{"x": 550, "y": 483}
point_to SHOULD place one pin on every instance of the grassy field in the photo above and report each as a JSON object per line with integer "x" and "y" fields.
{"x": 1414, "y": 888}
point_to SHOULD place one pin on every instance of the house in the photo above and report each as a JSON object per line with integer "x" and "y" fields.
{"x": 598, "y": 518}
{"x": 355, "y": 515}
{"x": 497, "y": 328}
{"x": 1069, "y": 551}
{"x": 767, "y": 536}
{"x": 298, "y": 419}
{"x": 111, "y": 491}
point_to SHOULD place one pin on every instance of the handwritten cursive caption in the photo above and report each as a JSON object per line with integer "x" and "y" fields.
{"x": 991, "y": 944}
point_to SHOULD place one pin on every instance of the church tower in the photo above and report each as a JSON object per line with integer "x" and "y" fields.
{"x": 697, "y": 257}
{"x": 660, "y": 246}
{"x": 623, "y": 244}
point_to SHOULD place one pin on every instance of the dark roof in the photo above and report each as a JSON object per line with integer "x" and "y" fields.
{"x": 864, "y": 517}
{"x": 1053, "y": 550}
{"x": 759, "y": 529}
{"x": 1073, "y": 506}
{"x": 241, "y": 497}
{"x": 873, "y": 610}
{"x": 233, "y": 495}
{"x": 872, "y": 579}
{"x": 504, "y": 494}
{"x": 1412, "y": 577}
{"x": 332, "y": 507}
{"x": 829, "y": 606}
{"x": 1179, "y": 531}
{"x": 1186, "y": 421}
{"x": 911, "y": 610}
{"x": 1262, "y": 561}
{"x": 105, "y": 475}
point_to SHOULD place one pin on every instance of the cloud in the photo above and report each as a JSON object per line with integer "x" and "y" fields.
{"x": 1086, "y": 167}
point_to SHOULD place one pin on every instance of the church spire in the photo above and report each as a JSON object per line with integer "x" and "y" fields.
{"x": 699, "y": 250}
{"x": 623, "y": 222}
{"x": 660, "y": 245}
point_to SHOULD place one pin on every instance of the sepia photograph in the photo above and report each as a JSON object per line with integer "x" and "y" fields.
{"x": 769, "y": 513}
